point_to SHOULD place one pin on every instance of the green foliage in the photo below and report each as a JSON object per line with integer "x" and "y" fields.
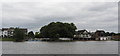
{"x": 18, "y": 35}
{"x": 31, "y": 34}
{"x": 58, "y": 29}
{"x": 7, "y": 39}
{"x": 110, "y": 34}
{"x": 117, "y": 34}
{"x": 37, "y": 35}
{"x": 107, "y": 34}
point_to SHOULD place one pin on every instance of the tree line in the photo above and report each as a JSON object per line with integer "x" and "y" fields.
{"x": 53, "y": 30}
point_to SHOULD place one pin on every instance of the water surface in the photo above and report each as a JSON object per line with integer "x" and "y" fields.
{"x": 79, "y": 47}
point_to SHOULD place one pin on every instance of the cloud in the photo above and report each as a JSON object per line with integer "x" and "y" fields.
{"x": 85, "y": 15}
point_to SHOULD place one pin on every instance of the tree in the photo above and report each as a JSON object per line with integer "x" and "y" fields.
{"x": 37, "y": 35}
{"x": 118, "y": 34}
{"x": 58, "y": 29}
{"x": 31, "y": 34}
{"x": 112, "y": 34}
{"x": 107, "y": 34}
{"x": 18, "y": 34}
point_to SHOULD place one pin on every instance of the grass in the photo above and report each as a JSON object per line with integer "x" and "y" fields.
{"x": 7, "y": 39}
{"x": 116, "y": 39}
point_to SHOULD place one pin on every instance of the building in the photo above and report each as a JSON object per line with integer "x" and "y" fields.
{"x": 100, "y": 35}
{"x": 116, "y": 37}
{"x": 8, "y": 32}
{"x": 82, "y": 34}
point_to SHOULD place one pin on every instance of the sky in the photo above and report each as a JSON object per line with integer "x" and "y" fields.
{"x": 85, "y": 15}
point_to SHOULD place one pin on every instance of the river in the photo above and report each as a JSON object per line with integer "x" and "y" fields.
{"x": 78, "y": 47}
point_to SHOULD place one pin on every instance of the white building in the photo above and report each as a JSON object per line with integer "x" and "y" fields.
{"x": 82, "y": 34}
{"x": 8, "y": 32}
{"x": 105, "y": 38}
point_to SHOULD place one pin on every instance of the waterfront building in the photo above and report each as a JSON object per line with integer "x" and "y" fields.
{"x": 82, "y": 34}
{"x": 100, "y": 35}
{"x": 8, "y": 32}
{"x": 116, "y": 37}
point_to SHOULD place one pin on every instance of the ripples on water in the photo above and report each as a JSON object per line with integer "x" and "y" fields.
{"x": 78, "y": 47}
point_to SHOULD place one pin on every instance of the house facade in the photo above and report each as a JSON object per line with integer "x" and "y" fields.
{"x": 8, "y": 32}
{"x": 116, "y": 37}
{"x": 82, "y": 34}
{"x": 100, "y": 35}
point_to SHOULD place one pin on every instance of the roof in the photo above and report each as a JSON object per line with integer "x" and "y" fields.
{"x": 4, "y": 29}
{"x": 82, "y": 30}
{"x": 100, "y": 31}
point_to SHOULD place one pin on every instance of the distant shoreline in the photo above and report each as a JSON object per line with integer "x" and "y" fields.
{"x": 12, "y": 39}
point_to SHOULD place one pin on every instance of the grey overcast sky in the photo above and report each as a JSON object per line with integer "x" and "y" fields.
{"x": 85, "y": 15}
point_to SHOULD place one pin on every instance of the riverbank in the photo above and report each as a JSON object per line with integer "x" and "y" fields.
{"x": 60, "y": 41}
{"x": 7, "y": 39}
{"x": 12, "y": 39}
